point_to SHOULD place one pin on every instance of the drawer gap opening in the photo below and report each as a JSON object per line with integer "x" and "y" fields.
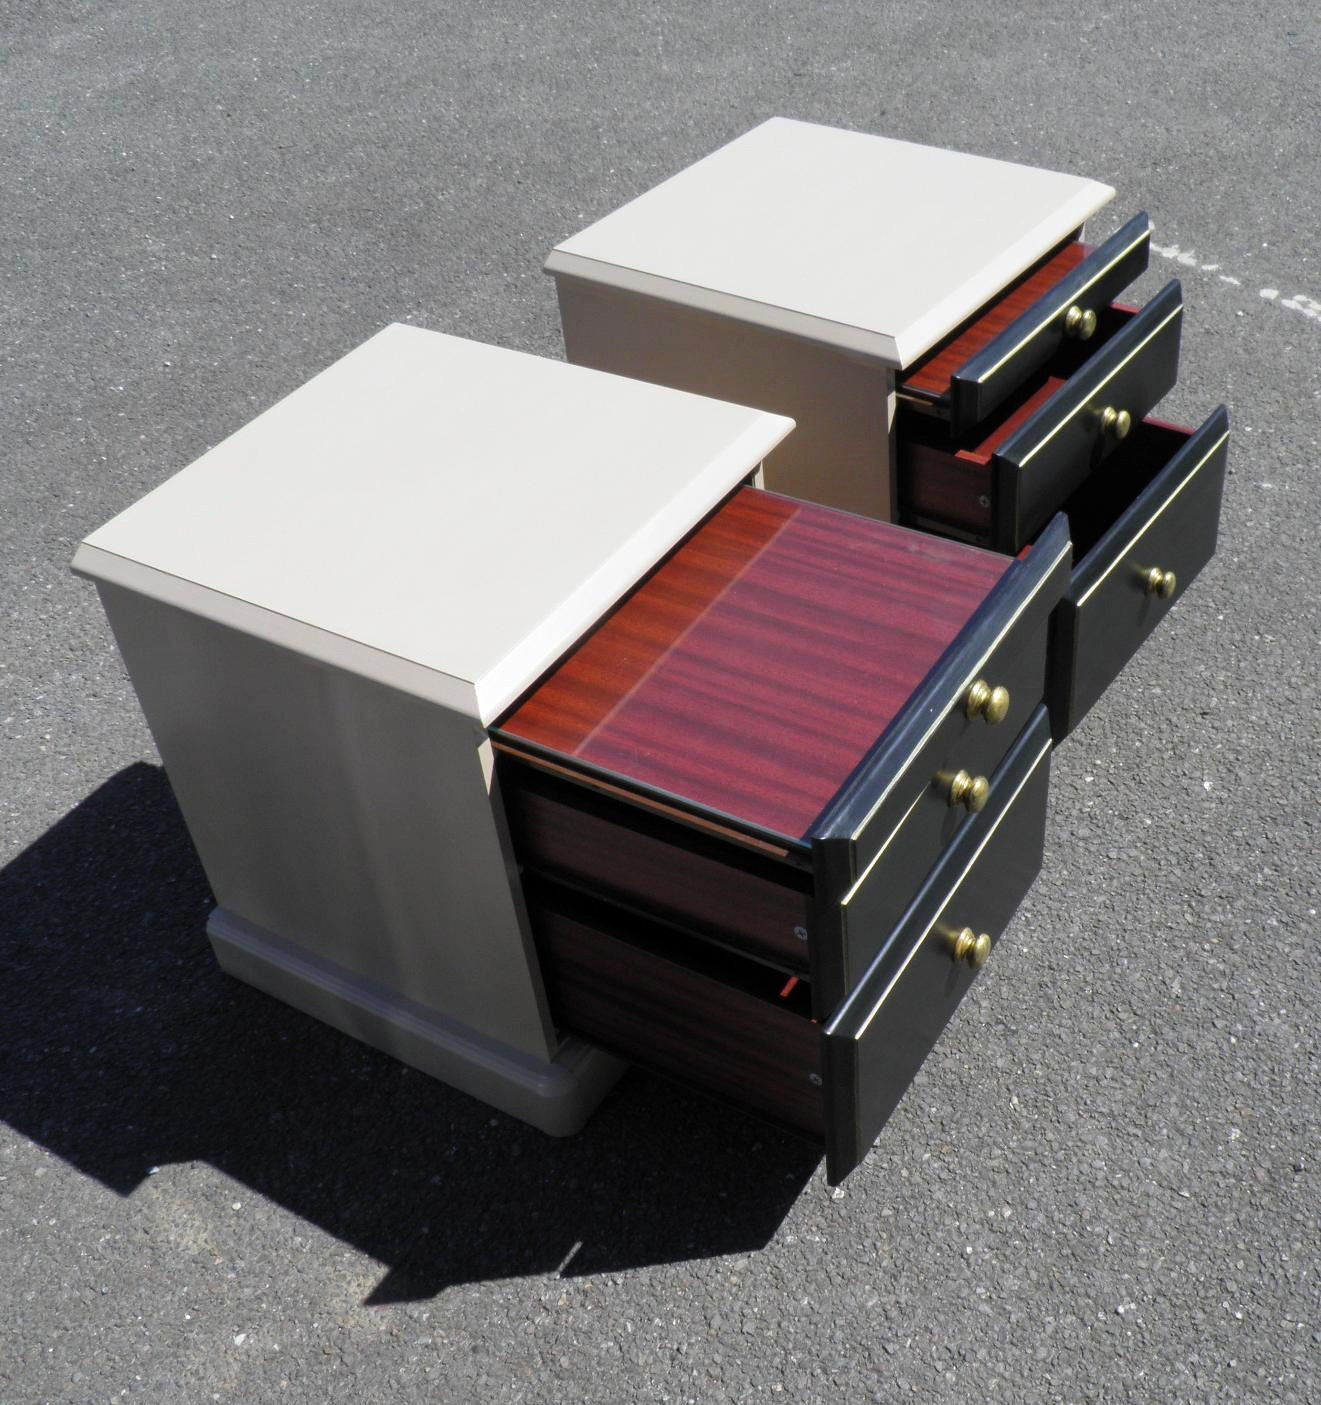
{"x": 1103, "y": 499}
{"x": 584, "y": 781}
{"x": 947, "y": 485}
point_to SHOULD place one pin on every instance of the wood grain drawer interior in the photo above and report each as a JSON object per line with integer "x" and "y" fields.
{"x": 781, "y": 903}
{"x": 998, "y": 485}
{"x": 931, "y": 380}
{"x": 750, "y": 673}
{"x": 692, "y": 1008}
{"x": 983, "y": 364}
{"x": 652, "y": 767}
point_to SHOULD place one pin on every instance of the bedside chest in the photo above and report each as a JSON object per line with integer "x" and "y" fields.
{"x": 775, "y": 809}
{"x": 953, "y": 355}
{"x": 321, "y": 617}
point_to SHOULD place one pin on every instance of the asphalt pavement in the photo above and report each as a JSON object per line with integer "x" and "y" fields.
{"x": 1104, "y": 1184}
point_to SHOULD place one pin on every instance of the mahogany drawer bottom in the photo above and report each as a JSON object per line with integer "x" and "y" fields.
{"x": 742, "y": 1030}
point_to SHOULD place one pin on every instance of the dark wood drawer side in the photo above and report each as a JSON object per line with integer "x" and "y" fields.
{"x": 1146, "y": 527}
{"x": 724, "y": 1024}
{"x": 730, "y": 892}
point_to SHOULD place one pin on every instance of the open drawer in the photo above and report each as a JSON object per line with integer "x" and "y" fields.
{"x": 1000, "y": 485}
{"x": 1142, "y": 530}
{"x": 743, "y": 1031}
{"x": 974, "y": 371}
{"x": 798, "y": 710}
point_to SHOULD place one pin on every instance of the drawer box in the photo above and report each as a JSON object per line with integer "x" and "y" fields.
{"x": 1154, "y": 506}
{"x": 778, "y": 717}
{"x": 976, "y": 370}
{"x": 738, "y": 1028}
{"x": 680, "y": 1006}
{"x": 1142, "y": 529}
{"x": 1005, "y": 482}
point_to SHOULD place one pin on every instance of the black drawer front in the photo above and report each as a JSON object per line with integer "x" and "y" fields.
{"x": 893, "y": 819}
{"x": 1053, "y": 454}
{"x": 887, "y": 886}
{"x": 1150, "y": 519}
{"x": 877, "y": 1041}
{"x": 985, "y": 382}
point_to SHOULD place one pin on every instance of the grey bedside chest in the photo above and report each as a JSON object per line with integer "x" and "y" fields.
{"x": 322, "y": 615}
{"x": 952, "y": 352}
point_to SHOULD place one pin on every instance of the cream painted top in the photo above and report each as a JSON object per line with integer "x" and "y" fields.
{"x": 441, "y": 516}
{"x": 861, "y": 242}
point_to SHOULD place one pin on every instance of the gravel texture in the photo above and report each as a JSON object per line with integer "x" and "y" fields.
{"x": 1104, "y": 1183}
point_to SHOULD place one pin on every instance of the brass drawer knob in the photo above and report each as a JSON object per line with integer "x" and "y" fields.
{"x": 969, "y": 791}
{"x": 972, "y": 947}
{"x": 1079, "y": 324}
{"x": 986, "y": 702}
{"x": 1116, "y": 423}
{"x": 1158, "y": 582}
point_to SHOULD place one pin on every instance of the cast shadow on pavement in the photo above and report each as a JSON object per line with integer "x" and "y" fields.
{"x": 126, "y": 1048}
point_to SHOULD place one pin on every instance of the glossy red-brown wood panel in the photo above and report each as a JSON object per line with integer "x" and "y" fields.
{"x": 1021, "y": 413}
{"x": 947, "y": 488}
{"x": 752, "y": 671}
{"x": 934, "y": 374}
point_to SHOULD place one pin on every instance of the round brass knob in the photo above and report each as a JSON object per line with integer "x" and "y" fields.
{"x": 969, "y": 791}
{"x": 1079, "y": 324}
{"x": 1162, "y": 583}
{"x": 972, "y": 947}
{"x": 986, "y": 702}
{"x": 1116, "y": 423}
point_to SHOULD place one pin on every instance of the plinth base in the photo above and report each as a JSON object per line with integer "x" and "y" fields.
{"x": 556, "y": 1096}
